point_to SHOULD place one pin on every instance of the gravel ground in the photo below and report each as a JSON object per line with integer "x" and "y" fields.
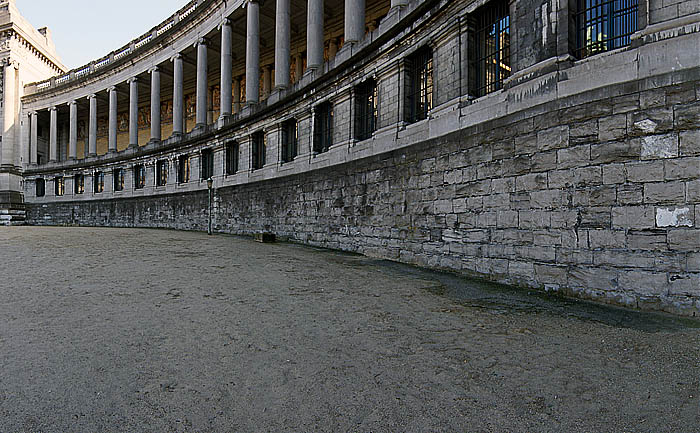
{"x": 154, "y": 330}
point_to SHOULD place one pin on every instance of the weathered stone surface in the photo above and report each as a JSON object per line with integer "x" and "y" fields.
{"x": 674, "y": 217}
{"x": 659, "y": 146}
{"x": 664, "y": 192}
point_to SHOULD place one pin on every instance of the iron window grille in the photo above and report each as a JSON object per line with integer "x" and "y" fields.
{"x": 162, "y": 172}
{"x": 419, "y": 85}
{"x": 183, "y": 169}
{"x": 40, "y": 187}
{"x": 493, "y": 64}
{"x": 323, "y": 127}
{"x": 59, "y": 184}
{"x": 366, "y": 112}
{"x": 232, "y": 150}
{"x": 258, "y": 142}
{"x": 603, "y": 25}
{"x": 79, "y": 180}
{"x": 290, "y": 140}
{"x": 98, "y": 182}
{"x": 139, "y": 176}
{"x": 118, "y": 179}
{"x": 207, "y": 163}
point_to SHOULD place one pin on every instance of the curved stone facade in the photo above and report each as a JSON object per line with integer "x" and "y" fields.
{"x": 523, "y": 142}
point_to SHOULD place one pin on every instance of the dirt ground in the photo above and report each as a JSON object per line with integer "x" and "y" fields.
{"x": 155, "y": 330}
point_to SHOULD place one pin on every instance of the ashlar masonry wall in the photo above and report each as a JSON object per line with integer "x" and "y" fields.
{"x": 595, "y": 196}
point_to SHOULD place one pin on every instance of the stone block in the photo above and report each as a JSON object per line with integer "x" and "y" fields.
{"x": 531, "y": 182}
{"x": 664, "y": 192}
{"x": 675, "y": 216}
{"x": 684, "y": 284}
{"x": 544, "y": 161}
{"x": 687, "y": 116}
{"x": 612, "y": 128}
{"x": 615, "y": 151}
{"x": 644, "y": 283}
{"x": 501, "y": 185}
{"x": 516, "y": 166}
{"x": 630, "y": 194}
{"x": 533, "y": 219}
{"x": 652, "y": 171}
{"x": 553, "y": 138}
{"x": 652, "y": 98}
{"x": 507, "y": 218}
{"x": 659, "y": 146}
{"x": 595, "y": 217}
{"x": 586, "y": 176}
{"x": 521, "y": 269}
{"x": 623, "y": 259}
{"x": 574, "y": 156}
{"x": 551, "y": 274}
{"x": 633, "y": 217}
{"x": 606, "y": 239}
{"x": 689, "y": 143}
{"x": 547, "y": 199}
{"x": 613, "y": 174}
{"x": 682, "y": 168}
{"x": 684, "y": 240}
{"x": 647, "y": 240}
{"x": 652, "y": 121}
{"x": 592, "y": 278}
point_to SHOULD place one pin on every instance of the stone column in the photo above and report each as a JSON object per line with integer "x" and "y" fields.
{"x": 178, "y": 96}
{"x": 314, "y": 34}
{"x": 202, "y": 84}
{"x": 112, "y": 142}
{"x": 354, "y": 20}
{"x": 226, "y": 70}
{"x": 298, "y": 66}
{"x": 92, "y": 126}
{"x": 155, "y": 104}
{"x": 133, "y": 112}
{"x": 53, "y": 134}
{"x": 267, "y": 84}
{"x": 33, "y": 138}
{"x": 397, "y": 3}
{"x": 73, "y": 134}
{"x": 252, "y": 61}
{"x": 237, "y": 95}
{"x": 7, "y": 149}
{"x": 282, "y": 37}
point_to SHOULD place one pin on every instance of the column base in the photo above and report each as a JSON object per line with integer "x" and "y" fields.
{"x": 177, "y": 134}
{"x": 91, "y": 155}
{"x": 133, "y": 146}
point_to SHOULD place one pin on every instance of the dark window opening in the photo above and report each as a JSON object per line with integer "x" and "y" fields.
{"x": 290, "y": 138}
{"x": 183, "y": 169}
{"x": 604, "y": 25}
{"x": 118, "y": 179}
{"x": 258, "y": 140}
{"x": 207, "y": 164}
{"x": 492, "y": 47}
{"x": 323, "y": 127}
{"x": 232, "y": 150}
{"x": 162, "y": 172}
{"x": 419, "y": 85}
{"x": 40, "y": 187}
{"x": 139, "y": 176}
{"x": 59, "y": 184}
{"x": 366, "y": 110}
{"x": 79, "y": 180}
{"x": 98, "y": 183}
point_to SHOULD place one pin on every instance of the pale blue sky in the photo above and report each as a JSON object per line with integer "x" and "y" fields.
{"x": 84, "y": 30}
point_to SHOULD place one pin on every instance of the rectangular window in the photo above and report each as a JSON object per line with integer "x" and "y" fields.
{"x": 162, "y": 172}
{"x": 139, "y": 176}
{"x": 323, "y": 127}
{"x": 257, "y": 144}
{"x": 419, "y": 85}
{"x": 98, "y": 182}
{"x": 207, "y": 164}
{"x": 365, "y": 109}
{"x": 290, "y": 138}
{"x": 232, "y": 150}
{"x": 183, "y": 169}
{"x": 492, "y": 47}
{"x": 603, "y": 25}
{"x": 59, "y": 184}
{"x": 118, "y": 179}
{"x": 79, "y": 180}
{"x": 40, "y": 187}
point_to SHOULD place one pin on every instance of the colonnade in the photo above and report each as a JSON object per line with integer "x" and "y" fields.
{"x": 230, "y": 101}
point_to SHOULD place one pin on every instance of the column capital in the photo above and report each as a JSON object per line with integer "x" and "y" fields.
{"x": 224, "y": 22}
{"x": 51, "y": 108}
{"x": 201, "y": 41}
{"x": 73, "y": 102}
{"x": 250, "y": 1}
{"x": 153, "y": 69}
{"x": 132, "y": 80}
{"x": 91, "y": 96}
{"x": 176, "y": 57}
{"x": 112, "y": 88}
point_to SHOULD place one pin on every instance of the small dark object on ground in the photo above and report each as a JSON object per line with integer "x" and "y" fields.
{"x": 265, "y": 237}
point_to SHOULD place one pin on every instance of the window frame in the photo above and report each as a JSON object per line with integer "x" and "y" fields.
{"x": 420, "y": 85}
{"x": 98, "y": 182}
{"x": 366, "y": 109}
{"x": 206, "y": 164}
{"x": 162, "y": 172}
{"x": 258, "y": 143}
{"x": 40, "y": 187}
{"x": 323, "y": 127}
{"x": 79, "y": 183}
{"x": 617, "y": 17}
{"x": 184, "y": 169}
{"x": 139, "y": 176}
{"x": 118, "y": 179}
{"x": 290, "y": 140}
{"x": 492, "y": 20}
{"x": 59, "y": 186}
{"x": 232, "y": 150}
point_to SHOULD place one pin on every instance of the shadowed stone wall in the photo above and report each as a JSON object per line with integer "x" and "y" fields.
{"x": 594, "y": 196}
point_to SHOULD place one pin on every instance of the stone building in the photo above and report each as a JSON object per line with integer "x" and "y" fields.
{"x": 544, "y": 143}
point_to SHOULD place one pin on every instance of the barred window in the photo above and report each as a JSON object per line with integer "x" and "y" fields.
{"x": 98, "y": 182}
{"x": 40, "y": 187}
{"x": 232, "y": 150}
{"x": 207, "y": 164}
{"x": 183, "y": 169}
{"x": 59, "y": 184}
{"x": 419, "y": 85}
{"x": 323, "y": 127}
{"x": 258, "y": 141}
{"x": 365, "y": 109}
{"x": 79, "y": 180}
{"x": 492, "y": 47}
{"x": 290, "y": 138}
{"x": 118, "y": 179}
{"x": 139, "y": 176}
{"x": 162, "y": 172}
{"x": 603, "y": 25}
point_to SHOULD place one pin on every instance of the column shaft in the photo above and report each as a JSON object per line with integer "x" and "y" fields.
{"x": 155, "y": 105}
{"x": 33, "y": 138}
{"x": 314, "y": 34}
{"x": 202, "y": 85}
{"x": 133, "y": 112}
{"x": 92, "y": 126}
{"x": 226, "y": 69}
{"x": 73, "y": 134}
{"x": 252, "y": 61}
{"x": 178, "y": 96}
{"x": 7, "y": 152}
{"x": 354, "y": 20}
{"x": 282, "y": 36}
{"x": 112, "y": 144}
{"x": 53, "y": 134}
